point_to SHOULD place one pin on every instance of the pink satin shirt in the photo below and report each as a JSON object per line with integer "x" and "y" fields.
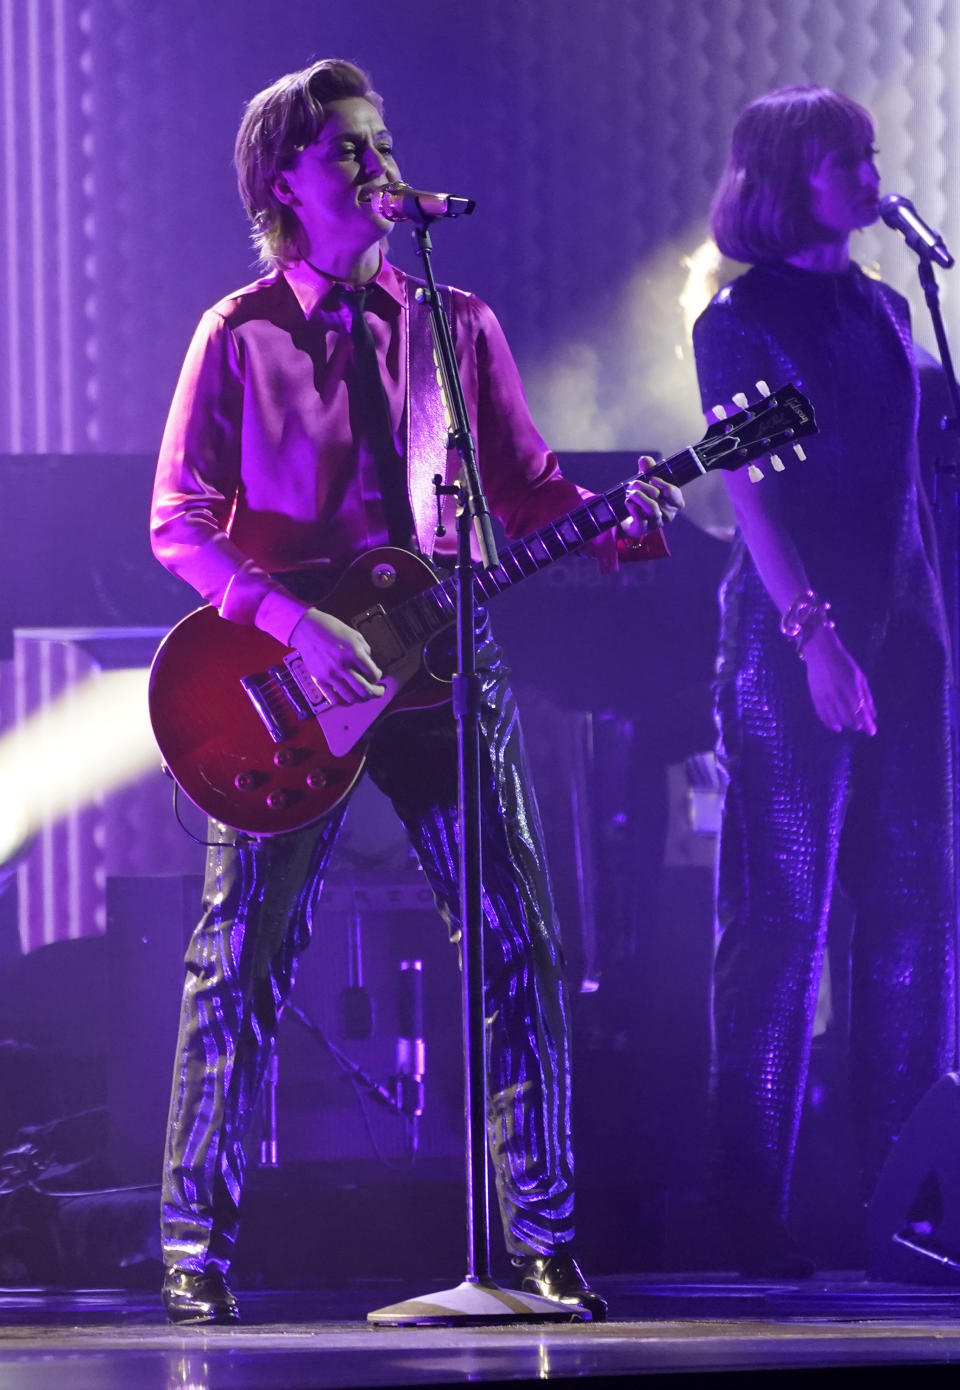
{"x": 258, "y": 473}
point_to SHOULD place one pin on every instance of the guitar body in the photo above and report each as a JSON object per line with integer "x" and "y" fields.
{"x": 216, "y": 744}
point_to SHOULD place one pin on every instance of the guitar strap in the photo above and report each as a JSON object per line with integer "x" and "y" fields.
{"x": 427, "y": 427}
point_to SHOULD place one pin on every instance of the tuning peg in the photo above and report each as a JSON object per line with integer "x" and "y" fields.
{"x": 739, "y": 399}
{"x": 718, "y": 412}
{"x": 763, "y": 389}
{"x": 754, "y": 474}
{"x": 776, "y": 463}
{"x": 798, "y": 450}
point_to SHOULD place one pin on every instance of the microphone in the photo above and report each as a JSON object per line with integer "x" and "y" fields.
{"x": 411, "y": 1049}
{"x": 398, "y": 202}
{"x": 900, "y": 214}
{"x": 356, "y": 1003}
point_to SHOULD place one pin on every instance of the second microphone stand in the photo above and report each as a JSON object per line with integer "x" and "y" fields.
{"x": 946, "y": 472}
{"x": 477, "y": 1299}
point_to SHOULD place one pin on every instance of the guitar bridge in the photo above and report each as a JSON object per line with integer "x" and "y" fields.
{"x": 282, "y": 691}
{"x": 290, "y": 691}
{"x": 255, "y": 687}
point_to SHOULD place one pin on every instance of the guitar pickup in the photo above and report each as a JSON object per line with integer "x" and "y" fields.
{"x": 291, "y": 689}
{"x": 304, "y": 693}
{"x": 377, "y": 628}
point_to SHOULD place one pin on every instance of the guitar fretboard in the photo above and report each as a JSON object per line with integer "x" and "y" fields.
{"x": 423, "y": 615}
{"x": 785, "y": 415}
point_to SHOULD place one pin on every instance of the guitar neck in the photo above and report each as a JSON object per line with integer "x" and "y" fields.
{"x": 784, "y": 416}
{"x": 572, "y": 531}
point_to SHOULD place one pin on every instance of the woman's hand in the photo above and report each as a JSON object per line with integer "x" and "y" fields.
{"x": 338, "y": 657}
{"x": 839, "y": 689}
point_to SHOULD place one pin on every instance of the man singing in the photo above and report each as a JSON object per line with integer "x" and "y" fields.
{"x": 291, "y": 448}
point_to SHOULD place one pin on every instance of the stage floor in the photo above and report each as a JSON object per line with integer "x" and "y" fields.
{"x": 688, "y": 1328}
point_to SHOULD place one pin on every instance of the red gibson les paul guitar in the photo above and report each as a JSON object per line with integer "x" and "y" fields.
{"x": 248, "y": 734}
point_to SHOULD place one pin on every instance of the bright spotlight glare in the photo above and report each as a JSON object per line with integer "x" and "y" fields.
{"x": 14, "y": 827}
{"x": 94, "y": 738}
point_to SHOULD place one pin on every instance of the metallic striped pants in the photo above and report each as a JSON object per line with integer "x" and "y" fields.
{"x": 806, "y": 809}
{"x": 259, "y": 905}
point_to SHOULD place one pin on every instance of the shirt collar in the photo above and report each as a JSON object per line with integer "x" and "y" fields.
{"x": 313, "y": 291}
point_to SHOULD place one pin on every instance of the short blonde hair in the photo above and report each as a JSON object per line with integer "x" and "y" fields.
{"x": 278, "y": 123}
{"x": 761, "y": 209}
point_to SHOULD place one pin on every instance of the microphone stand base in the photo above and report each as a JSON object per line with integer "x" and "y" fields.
{"x": 473, "y": 1303}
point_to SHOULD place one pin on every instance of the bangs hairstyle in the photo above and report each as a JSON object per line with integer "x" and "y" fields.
{"x": 761, "y": 209}
{"x": 278, "y": 123}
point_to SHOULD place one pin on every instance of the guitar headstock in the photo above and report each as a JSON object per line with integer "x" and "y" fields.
{"x": 776, "y": 418}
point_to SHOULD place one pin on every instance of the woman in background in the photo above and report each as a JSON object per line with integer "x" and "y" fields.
{"x": 832, "y": 675}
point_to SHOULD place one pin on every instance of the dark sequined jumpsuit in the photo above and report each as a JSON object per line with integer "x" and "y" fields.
{"x": 806, "y": 807}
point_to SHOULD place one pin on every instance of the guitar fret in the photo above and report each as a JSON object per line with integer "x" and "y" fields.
{"x": 537, "y": 550}
{"x": 437, "y": 611}
{"x": 586, "y": 523}
{"x": 525, "y": 558}
{"x": 566, "y": 528}
{"x": 553, "y": 541}
{"x": 510, "y": 560}
{"x": 414, "y": 616}
{"x": 493, "y": 581}
{"x": 400, "y": 621}
{"x": 602, "y": 513}
{"x": 426, "y": 614}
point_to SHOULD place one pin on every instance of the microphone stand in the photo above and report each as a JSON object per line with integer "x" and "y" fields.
{"x": 945, "y": 471}
{"x": 477, "y": 1299}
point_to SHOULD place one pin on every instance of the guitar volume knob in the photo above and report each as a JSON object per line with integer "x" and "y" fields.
{"x": 316, "y": 780}
{"x": 383, "y": 576}
{"x": 278, "y": 799}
